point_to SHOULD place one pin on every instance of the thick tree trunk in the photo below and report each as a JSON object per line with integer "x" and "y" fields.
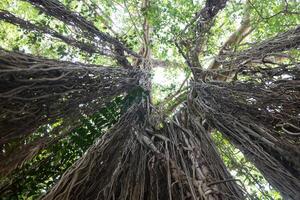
{"x": 135, "y": 161}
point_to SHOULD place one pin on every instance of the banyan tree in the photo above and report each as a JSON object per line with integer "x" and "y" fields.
{"x": 80, "y": 117}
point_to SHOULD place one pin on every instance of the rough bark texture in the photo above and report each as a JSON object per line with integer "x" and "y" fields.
{"x": 136, "y": 161}
{"x": 260, "y": 114}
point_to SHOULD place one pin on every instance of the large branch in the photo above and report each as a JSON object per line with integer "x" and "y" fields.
{"x": 259, "y": 53}
{"x": 35, "y": 91}
{"x": 56, "y": 9}
{"x": 145, "y": 51}
{"x": 89, "y": 48}
{"x": 191, "y": 45}
{"x": 235, "y": 38}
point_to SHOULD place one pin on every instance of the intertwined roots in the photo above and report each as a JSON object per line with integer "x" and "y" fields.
{"x": 261, "y": 119}
{"x": 135, "y": 161}
{"x": 35, "y": 91}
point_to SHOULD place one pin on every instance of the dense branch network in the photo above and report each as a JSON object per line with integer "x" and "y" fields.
{"x": 264, "y": 51}
{"x": 89, "y": 31}
{"x": 192, "y": 39}
{"x": 89, "y": 48}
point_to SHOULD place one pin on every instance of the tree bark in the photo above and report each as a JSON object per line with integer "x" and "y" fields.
{"x": 136, "y": 161}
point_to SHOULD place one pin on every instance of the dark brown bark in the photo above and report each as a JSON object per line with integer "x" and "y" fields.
{"x": 136, "y": 161}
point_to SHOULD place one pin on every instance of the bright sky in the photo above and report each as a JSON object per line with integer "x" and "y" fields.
{"x": 160, "y": 77}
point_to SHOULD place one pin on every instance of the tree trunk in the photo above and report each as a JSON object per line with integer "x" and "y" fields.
{"x": 136, "y": 161}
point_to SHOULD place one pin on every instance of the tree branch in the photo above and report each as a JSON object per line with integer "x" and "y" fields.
{"x": 56, "y": 9}
{"x": 198, "y": 28}
{"x": 89, "y": 48}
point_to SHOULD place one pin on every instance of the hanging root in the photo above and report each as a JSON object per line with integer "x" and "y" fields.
{"x": 24, "y": 151}
{"x": 35, "y": 91}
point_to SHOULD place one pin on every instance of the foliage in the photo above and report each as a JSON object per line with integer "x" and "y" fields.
{"x": 37, "y": 176}
{"x": 245, "y": 171}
